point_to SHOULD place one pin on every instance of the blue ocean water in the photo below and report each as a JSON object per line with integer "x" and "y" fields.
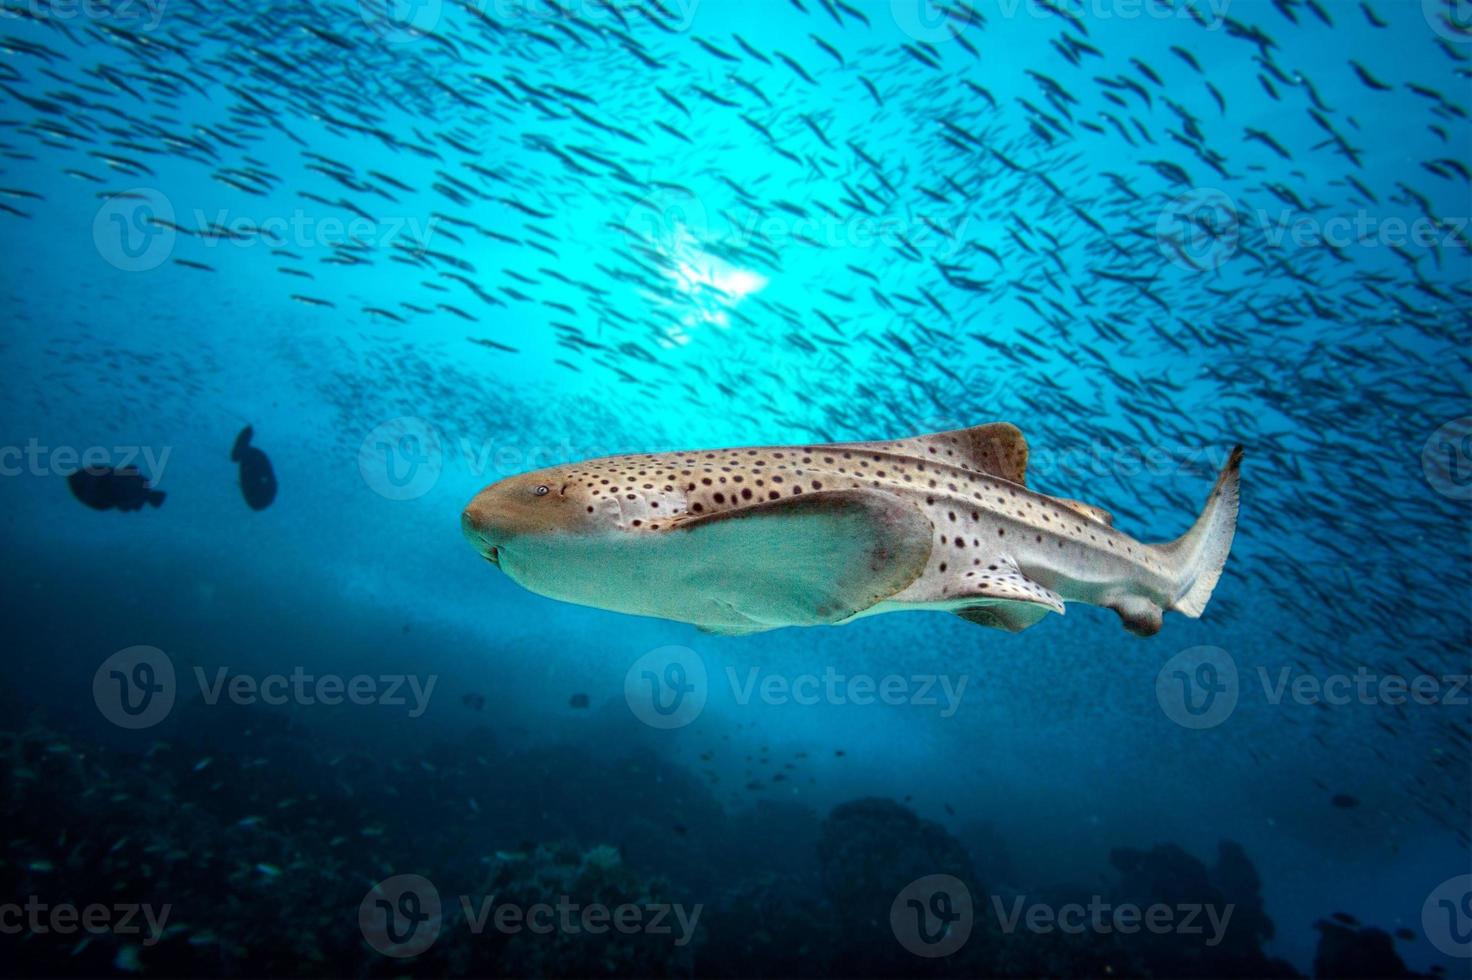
{"x": 422, "y": 248}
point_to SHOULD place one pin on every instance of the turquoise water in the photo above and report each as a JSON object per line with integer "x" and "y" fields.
{"x": 423, "y": 248}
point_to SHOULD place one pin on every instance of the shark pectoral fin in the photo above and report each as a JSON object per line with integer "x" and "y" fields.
{"x": 1006, "y": 600}
{"x": 809, "y": 558}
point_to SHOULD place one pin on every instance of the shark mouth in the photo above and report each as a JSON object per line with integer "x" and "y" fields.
{"x": 493, "y": 556}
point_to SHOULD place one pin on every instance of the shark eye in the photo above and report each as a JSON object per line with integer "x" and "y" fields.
{"x": 542, "y": 491}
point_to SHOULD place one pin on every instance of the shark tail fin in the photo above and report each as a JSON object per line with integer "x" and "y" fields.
{"x": 1200, "y": 553}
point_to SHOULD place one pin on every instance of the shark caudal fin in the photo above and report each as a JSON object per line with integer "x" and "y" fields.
{"x": 1200, "y": 553}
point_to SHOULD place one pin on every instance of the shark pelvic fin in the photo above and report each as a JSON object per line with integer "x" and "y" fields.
{"x": 1004, "y": 614}
{"x": 1006, "y": 599}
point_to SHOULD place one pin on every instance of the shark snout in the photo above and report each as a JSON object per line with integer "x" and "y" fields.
{"x": 476, "y": 523}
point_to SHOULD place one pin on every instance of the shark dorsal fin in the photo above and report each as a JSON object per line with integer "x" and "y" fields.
{"x": 997, "y": 449}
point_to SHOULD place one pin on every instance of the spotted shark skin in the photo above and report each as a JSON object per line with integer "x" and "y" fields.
{"x": 743, "y": 540}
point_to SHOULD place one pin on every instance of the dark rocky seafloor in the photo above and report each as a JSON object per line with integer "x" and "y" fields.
{"x": 264, "y": 849}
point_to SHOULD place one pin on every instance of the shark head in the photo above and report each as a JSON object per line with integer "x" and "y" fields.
{"x": 504, "y": 517}
{"x": 551, "y": 530}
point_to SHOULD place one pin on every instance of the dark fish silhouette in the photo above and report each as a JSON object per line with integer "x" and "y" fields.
{"x": 1344, "y": 801}
{"x": 257, "y": 479}
{"x": 475, "y": 702}
{"x": 104, "y": 488}
{"x": 578, "y": 701}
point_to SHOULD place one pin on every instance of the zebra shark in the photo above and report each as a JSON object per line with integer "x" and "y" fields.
{"x": 738, "y": 541}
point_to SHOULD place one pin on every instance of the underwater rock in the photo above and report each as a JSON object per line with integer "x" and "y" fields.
{"x": 1347, "y": 953}
{"x": 777, "y": 834}
{"x": 768, "y": 925}
{"x": 990, "y": 853}
{"x": 1238, "y": 881}
{"x": 868, "y": 852}
{"x": 1167, "y": 875}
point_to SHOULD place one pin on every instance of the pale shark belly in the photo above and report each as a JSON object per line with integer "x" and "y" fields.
{"x": 819, "y": 565}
